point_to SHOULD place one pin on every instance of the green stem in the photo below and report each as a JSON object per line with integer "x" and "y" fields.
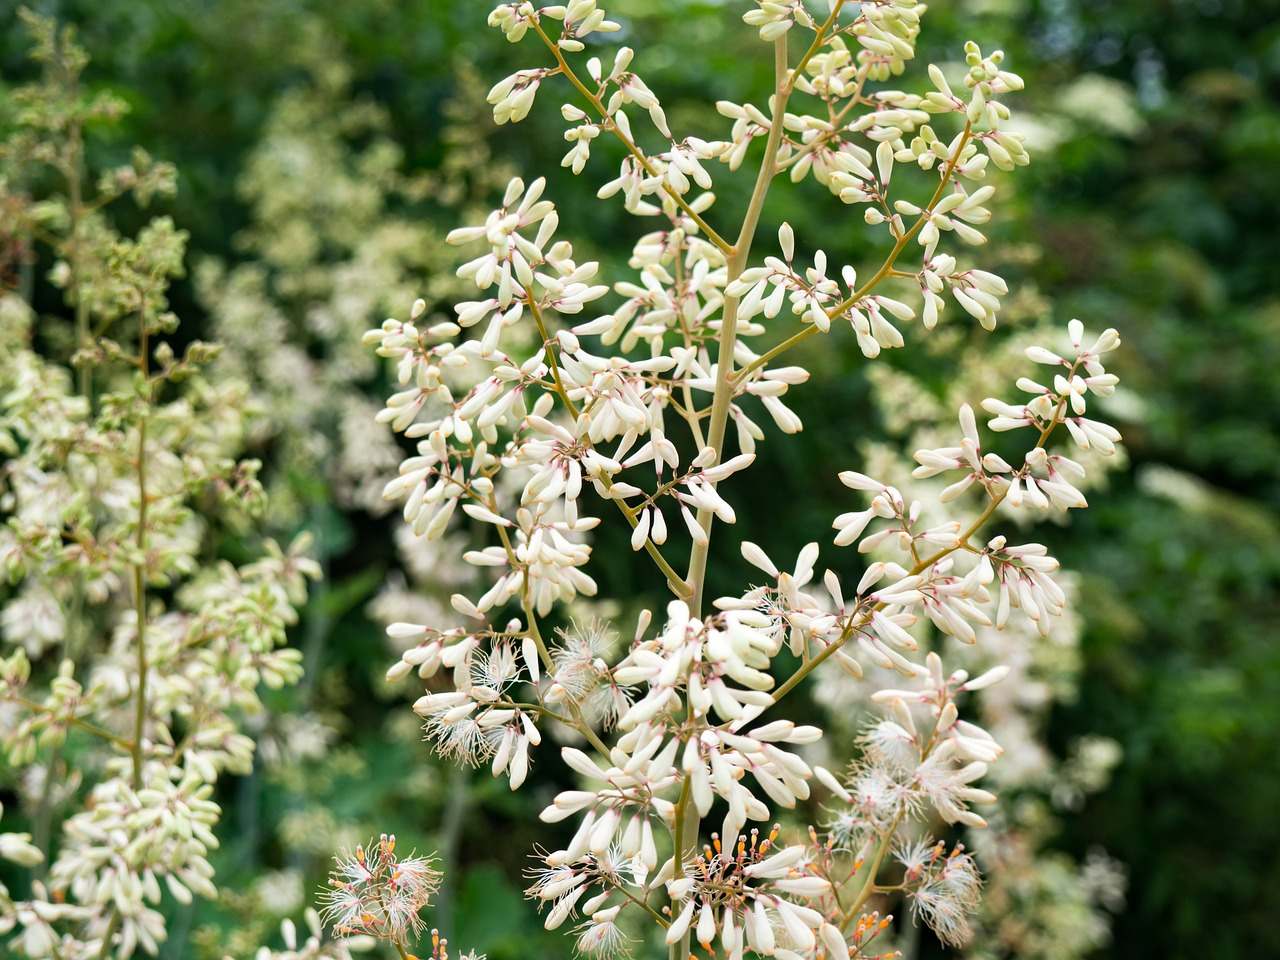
{"x": 73, "y": 722}
{"x": 687, "y": 822}
{"x": 729, "y": 318}
{"x": 869, "y": 886}
{"x": 726, "y": 384}
{"x": 678, "y": 831}
{"x": 42, "y": 822}
{"x": 684, "y": 837}
{"x": 74, "y": 164}
{"x": 977, "y": 525}
{"x": 674, "y": 581}
{"x": 550, "y": 354}
{"x": 658, "y": 918}
{"x": 800, "y": 151}
{"x": 74, "y": 172}
{"x": 140, "y": 569}
{"x": 109, "y": 934}
{"x": 578, "y": 723}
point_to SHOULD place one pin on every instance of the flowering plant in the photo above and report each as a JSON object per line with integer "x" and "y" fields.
{"x": 132, "y": 656}
{"x": 553, "y": 411}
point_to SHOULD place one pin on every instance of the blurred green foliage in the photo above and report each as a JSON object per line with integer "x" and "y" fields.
{"x": 1160, "y": 222}
{"x": 1170, "y": 236}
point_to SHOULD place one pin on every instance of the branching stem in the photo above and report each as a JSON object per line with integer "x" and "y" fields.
{"x": 578, "y": 722}
{"x": 100, "y": 732}
{"x": 674, "y": 580}
{"x": 869, "y": 885}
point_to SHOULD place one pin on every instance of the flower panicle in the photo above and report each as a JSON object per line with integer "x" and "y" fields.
{"x": 521, "y": 410}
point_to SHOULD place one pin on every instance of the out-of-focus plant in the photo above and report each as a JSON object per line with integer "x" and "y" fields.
{"x": 132, "y": 654}
{"x": 683, "y": 728}
{"x": 338, "y": 237}
{"x": 326, "y": 251}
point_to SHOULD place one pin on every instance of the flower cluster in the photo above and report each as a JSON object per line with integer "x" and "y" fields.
{"x": 736, "y": 896}
{"x": 943, "y": 888}
{"x": 905, "y": 769}
{"x": 536, "y": 409}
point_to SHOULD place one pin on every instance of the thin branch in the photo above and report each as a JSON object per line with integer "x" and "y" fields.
{"x": 560, "y": 390}
{"x": 658, "y": 918}
{"x": 578, "y": 723}
{"x": 869, "y": 886}
{"x": 76, "y": 722}
{"x": 674, "y": 580}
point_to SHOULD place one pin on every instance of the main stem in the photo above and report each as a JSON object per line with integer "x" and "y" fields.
{"x": 687, "y": 821}
{"x": 726, "y": 385}
{"x": 74, "y": 172}
{"x": 140, "y": 569}
{"x": 729, "y": 321}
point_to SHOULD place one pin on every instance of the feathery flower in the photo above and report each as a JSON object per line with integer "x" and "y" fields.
{"x": 376, "y": 893}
